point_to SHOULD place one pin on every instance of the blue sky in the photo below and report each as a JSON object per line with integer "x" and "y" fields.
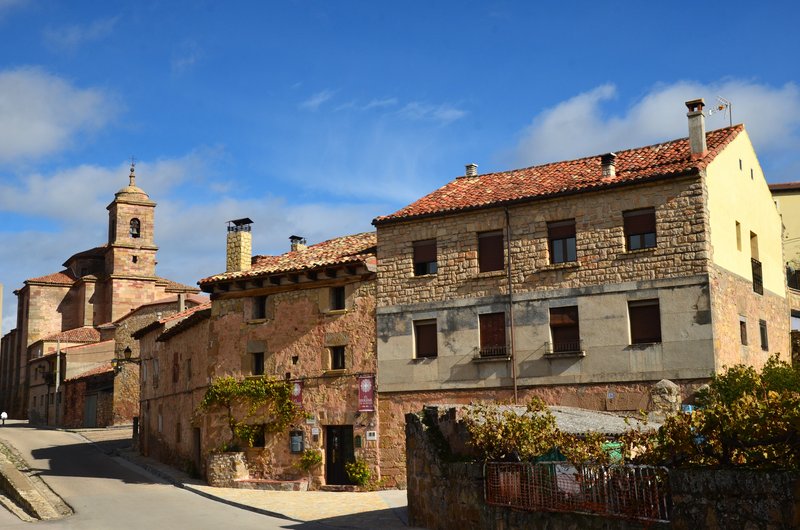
{"x": 313, "y": 117}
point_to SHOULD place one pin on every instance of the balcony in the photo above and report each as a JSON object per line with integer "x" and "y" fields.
{"x": 758, "y": 277}
{"x": 573, "y": 348}
{"x": 793, "y": 278}
{"x": 493, "y": 352}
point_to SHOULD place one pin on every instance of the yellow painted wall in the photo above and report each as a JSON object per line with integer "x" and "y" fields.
{"x": 734, "y": 196}
{"x": 789, "y": 207}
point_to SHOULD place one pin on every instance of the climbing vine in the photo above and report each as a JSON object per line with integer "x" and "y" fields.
{"x": 245, "y": 399}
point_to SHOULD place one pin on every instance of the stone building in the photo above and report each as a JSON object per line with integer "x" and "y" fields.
{"x": 96, "y": 286}
{"x": 584, "y": 281}
{"x": 787, "y": 198}
{"x": 306, "y": 316}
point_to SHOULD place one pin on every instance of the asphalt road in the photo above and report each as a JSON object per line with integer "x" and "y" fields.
{"x": 109, "y": 493}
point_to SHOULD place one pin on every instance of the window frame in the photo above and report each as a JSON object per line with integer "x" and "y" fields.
{"x": 638, "y": 311}
{"x": 743, "y": 330}
{"x": 337, "y": 298}
{"x": 564, "y": 323}
{"x": 492, "y": 334}
{"x": 491, "y": 251}
{"x": 338, "y": 353}
{"x": 135, "y": 228}
{"x": 764, "y": 333}
{"x": 425, "y": 257}
{"x": 427, "y": 326}
{"x": 640, "y": 229}
{"x": 259, "y": 307}
{"x": 257, "y": 367}
{"x": 561, "y": 239}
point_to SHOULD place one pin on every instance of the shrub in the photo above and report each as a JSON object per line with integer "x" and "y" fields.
{"x": 358, "y": 472}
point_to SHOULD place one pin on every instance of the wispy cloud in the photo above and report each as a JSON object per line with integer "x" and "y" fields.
{"x": 71, "y": 37}
{"x": 314, "y": 102}
{"x": 443, "y": 113}
{"x": 580, "y": 126}
{"x": 380, "y": 103}
{"x": 7, "y": 6}
{"x": 185, "y": 57}
{"x": 41, "y": 113}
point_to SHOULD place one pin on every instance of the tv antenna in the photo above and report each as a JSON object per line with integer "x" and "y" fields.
{"x": 724, "y": 106}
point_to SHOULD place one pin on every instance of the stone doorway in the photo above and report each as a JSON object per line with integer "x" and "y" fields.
{"x": 338, "y": 451}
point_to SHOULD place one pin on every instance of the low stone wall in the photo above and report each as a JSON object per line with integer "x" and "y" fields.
{"x": 444, "y": 494}
{"x": 224, "y": 469}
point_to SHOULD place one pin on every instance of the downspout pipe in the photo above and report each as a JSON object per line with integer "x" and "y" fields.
{"x": 510, "y": 306}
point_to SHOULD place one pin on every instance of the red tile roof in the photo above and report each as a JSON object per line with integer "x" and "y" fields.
{"x": 571, "y": 176}
{"x": 64, "y": 277}
{"x": 98, "y": 370}
{"x": 785, "y": 186}
{"x": 171, "y": 286}
{"x": 158, "y": 324}
{"x": 85, "y": 334}
{"x": 357, "y": 248}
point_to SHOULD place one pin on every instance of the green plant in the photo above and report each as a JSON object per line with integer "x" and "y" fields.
{"x": 269, "y": 398}
{"x": 310, "y": 459}
{"x": 358, "y": 472}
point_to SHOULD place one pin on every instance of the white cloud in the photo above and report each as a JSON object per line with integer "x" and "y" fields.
{"x": 7, "y": 5}
{"x": 70, "y": 38}
{"x": 185, "y": 57}
{"x": 381, "y": 103}
{"x": 314, "y": 102}
{"x": 580, "y": 127}
{"x": 42, "y": 114}
{"x": 442, "y": 113}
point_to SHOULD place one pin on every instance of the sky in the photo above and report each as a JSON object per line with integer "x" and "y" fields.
{"x": 314, "y": 117}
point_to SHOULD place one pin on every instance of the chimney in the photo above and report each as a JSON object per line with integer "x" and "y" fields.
{"x": 240, "y": 245}
{"x": 297, "y": 243}
{"x": 697, "y": 127}
{"x": 181, "y": 302}
{"x": 608, "y": 162}
{"x": 472, "y": 170}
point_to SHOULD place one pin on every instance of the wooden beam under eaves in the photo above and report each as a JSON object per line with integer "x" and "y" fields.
{"x": 311, "y": 275}
{"x": 294, "y": 278}
{"x": 275, "y": 280}
{"x": 330, "y": 273}
{"x": 351, "y": 269}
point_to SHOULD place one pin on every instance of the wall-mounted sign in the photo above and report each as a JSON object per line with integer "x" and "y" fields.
{"x": 372, "y": 436}
{"x": 297, "y": 393}
{"x": 314, "y": 431}
{"x": 366, "y": 393}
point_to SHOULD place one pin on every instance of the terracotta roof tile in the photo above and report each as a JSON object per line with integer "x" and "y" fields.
{"x": 85, "y": 334}
{"x": 357, "y": 248}
{"x": 170, "y": 285}
{"x": 571, "y": 176}
{"x": 177, "y": 317}
{"x": 98, "y": 370}
{"x": 64, "y": 277}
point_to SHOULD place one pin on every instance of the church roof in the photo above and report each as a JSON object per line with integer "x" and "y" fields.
{"x": 95, "y": 253}
{"x": 64, "y": 277}
{"x": 84, "y": 334}
{"x": 173, "y": 286}
{"x": 641, "y": 164}
{"x": 132, "y": 191}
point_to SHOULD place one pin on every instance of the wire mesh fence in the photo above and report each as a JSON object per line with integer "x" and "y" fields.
{"x": 629, "y": 492}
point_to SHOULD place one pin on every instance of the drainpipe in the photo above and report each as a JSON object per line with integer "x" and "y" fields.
{"x": 510, "y": 306}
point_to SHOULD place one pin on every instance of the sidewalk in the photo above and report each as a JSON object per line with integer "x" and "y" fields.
{"x": 368, "y": 510}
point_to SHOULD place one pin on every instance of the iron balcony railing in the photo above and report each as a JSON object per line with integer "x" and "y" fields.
{"x": 758, "y": 278}
{"x": 493, "y": 351}
{"x": 564, "y": 347}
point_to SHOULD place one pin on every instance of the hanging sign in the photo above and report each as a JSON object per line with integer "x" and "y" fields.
{"x": 297, "y": 393}
{"x": 366, "y": 393}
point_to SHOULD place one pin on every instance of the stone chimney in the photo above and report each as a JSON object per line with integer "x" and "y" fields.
{"x": 181, "y": 302}
{"x": 297, "y": 243}
{"x": 240, "y": 245}
{"x": 472, "y": 170}
{"x": 697, "y": 127}
{"x": 609, "y": 164}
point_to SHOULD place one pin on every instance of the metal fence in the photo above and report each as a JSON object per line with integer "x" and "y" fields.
{"x": 630, "y": 492}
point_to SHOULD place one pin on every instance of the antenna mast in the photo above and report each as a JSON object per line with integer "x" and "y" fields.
{"x": 723, "y": 105}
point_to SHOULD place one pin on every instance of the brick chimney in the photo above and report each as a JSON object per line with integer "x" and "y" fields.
{"x": 239, "y": 254}
{"x": 472, "y": 170}
{"x": 297, "y": 243}
{"x": 697, "y": 127}
{"x": 608, "y": 162}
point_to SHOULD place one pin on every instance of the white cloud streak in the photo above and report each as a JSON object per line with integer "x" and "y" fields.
{"x": 41, "y": 114}
{"x": 314, "y": 102}
{"x": 70, "y": 38}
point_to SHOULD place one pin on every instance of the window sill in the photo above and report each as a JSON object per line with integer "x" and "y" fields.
{"x": 503, "y": 358}
{"x": 490, "y": 274}
{"x": 560, "y": 266}
{"x": 422, "y": 359}
{"x": 565, "y": 355}
{"x": 334, "y": 373}
{"x": 334, "y": 312}
{"x": 643, "y": 345}
{"x": 254, "y": 321}
{"x": 638, "y": 252}
{"x": 423, "y": 276}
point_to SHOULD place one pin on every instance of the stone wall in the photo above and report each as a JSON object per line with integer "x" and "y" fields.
{"x": 796, "y": 348}
{"x": 224, "y": 469}
{"x": 444, "y": 495}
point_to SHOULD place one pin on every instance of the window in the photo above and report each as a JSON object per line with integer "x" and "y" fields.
{"x": 258, "y": 363}
{"x": 743, "y": 330}
{"x": 762, "y": 326}
{"x": 753, "y": 245}
{"x": 425, "y": 339}
{"x": 738, "y": 236}
{"x": 337, "y": 357}
{"x": 493, "y": 334}
{"x": 561, "y": 241}
{"x": 155, "y": 373}
{"x": 259, "y": 307}
{"x": 188, "y": 372}
{"x": 645, "y": 321}
{"x": 175, "y": 367}
{"x": 425, "y": 257}
{"x": 135, "y": 228}
{"x": 337, "y": 298}
{"x": 490, "y": 251}
{"x": 564, "y": 330}
{"x": 758, "y": 276}
{"x": 640, "y": 228}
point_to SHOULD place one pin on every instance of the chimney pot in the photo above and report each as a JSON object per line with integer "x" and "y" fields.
{"x": 609, "y": 164}
{"x": 297, "y": 243}
{"x": 697, "y": 127}
{"x": 472, "y": 170}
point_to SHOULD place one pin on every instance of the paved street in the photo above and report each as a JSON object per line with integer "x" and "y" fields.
{"x": 107, "y": 492}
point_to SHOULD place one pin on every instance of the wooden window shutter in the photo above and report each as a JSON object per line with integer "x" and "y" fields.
{"x": 425, "y": 251}
{"x": 490, "y": 251}
{"x": 426, "y": 338}
{"x": 645, "y": 320}
{"x": 561, "y": 229}
{"x": 493, "y": 330}
{"x": 639, "y": 221}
